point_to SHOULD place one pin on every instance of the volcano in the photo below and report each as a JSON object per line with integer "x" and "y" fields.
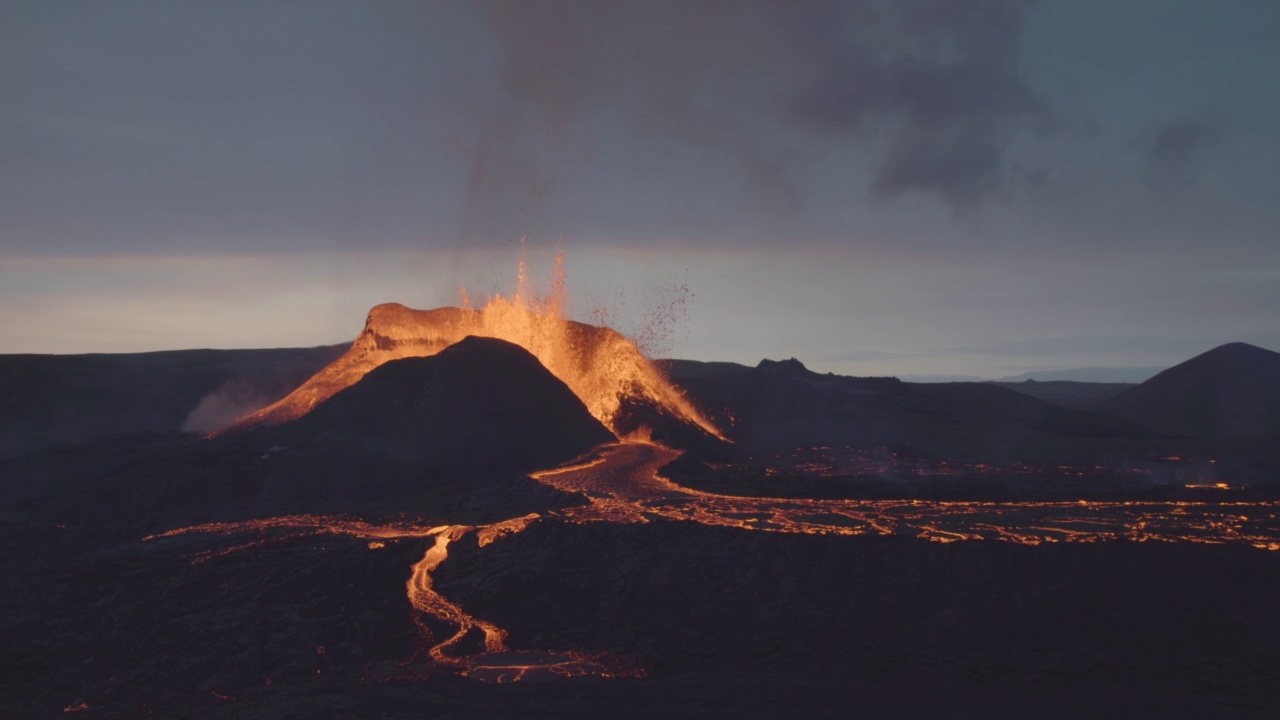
{"x": 479, "y": 405}
{"x": 451, "y": 434}
{"x": 603, "y": 368}
{"x": 442, "y": 508}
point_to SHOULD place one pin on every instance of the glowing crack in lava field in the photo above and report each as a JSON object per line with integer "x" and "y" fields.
{"x": 472, "y": 506}
{"x": 623, "y": 485}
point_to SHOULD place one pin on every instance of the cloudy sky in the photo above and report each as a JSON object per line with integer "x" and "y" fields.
{"x": 875, "y": 187}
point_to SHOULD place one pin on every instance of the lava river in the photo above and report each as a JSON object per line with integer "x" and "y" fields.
{"x": 623, "y": 486}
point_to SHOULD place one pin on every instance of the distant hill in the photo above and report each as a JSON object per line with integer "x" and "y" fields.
{"x": 1090, "y": 396}
{"x": 48, "y": 400}
{"x": 1130, "y": 375}
{"x": 1121, "y": 375}
{"x": 1231, "y": 390}
{"x": 781, "y": 404}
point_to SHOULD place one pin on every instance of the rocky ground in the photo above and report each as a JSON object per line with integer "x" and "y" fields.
{"x": 97, "y": 622}
{"x": 726, "y": 623}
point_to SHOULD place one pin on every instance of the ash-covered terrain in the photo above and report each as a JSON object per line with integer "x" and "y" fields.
{"x": 457, "y": 532}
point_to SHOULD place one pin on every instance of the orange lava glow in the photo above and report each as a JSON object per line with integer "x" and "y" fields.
{"x": 622, "y": 482}
{"x": 601, "y": 366}
{"x": 623, "y": 485}
{"x": 496, "y": 663}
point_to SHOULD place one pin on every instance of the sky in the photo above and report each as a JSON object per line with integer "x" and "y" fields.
{"x": 877, "y": 188}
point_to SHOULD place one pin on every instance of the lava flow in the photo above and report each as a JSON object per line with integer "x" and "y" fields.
{"x": 601, "y": 366}
{"x": 495, "y": 663}
{"x": 623, "y": 486}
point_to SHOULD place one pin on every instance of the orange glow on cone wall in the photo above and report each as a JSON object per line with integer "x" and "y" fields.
{"x": 602, "y": 367}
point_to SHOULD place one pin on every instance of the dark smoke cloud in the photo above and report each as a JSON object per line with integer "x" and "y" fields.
{"x": 1176, "y": 151}
{"x": 771, "y": 84}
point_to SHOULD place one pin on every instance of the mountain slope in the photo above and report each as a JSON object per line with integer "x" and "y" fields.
{"x": 446, "y": 436}
{"x": 481, "y": 404}
{"x": 1231, "y": 390}
{"x": 1071, "y": 394}
{"x": 778, "y": 405}
{"x": 48, "y": 400}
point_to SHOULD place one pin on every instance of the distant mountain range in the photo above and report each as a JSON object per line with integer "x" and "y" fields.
{"x": 1231, "y": 391}
{"x": 781, "y": 404}
{"x": 1090, "y": 396}
{"x": 94, "y": 457}
{"x": 1089, "y": 374}
{"x": 1131, "y": 375}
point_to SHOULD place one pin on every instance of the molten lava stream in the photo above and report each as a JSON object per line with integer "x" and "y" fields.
{"x": 623, "y": 486}
{"x": 496, "y": 663}
{"x": 606, "y": 370}
{"x": 427, "y": 601}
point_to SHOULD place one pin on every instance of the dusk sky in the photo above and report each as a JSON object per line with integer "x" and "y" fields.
{"x": 926, "y": 187}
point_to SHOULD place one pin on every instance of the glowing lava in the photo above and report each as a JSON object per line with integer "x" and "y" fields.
{"x": 601, "y": 366}
{"x": 623, "y": 485}
{"x": 495, "y": 663}
{"x": 606, "y": 371}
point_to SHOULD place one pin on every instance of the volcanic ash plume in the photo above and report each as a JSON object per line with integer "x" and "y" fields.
{"x": 603, "y": 368}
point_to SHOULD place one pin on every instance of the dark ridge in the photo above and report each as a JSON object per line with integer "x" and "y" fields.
{"x": 1072, "y": 394}
{"x": 479, "y": 405}
{"x": 680, "y": 370}
{"x": 1232, "y": 390}
{"x": 790, "y": 366}
{"x": 780, "y": 404}
{"x": 50, "y": 400}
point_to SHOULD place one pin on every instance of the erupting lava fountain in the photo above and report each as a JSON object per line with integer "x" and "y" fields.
{"x": 603, "y": 368}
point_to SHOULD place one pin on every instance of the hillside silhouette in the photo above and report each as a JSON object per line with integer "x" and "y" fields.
{"x": 479, "y": 405}
{"x": 1231, "y": 390}
{"x": 48, "y": 400}
{"x": 781, "y": 404}
{"x": 446, "y": 435}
